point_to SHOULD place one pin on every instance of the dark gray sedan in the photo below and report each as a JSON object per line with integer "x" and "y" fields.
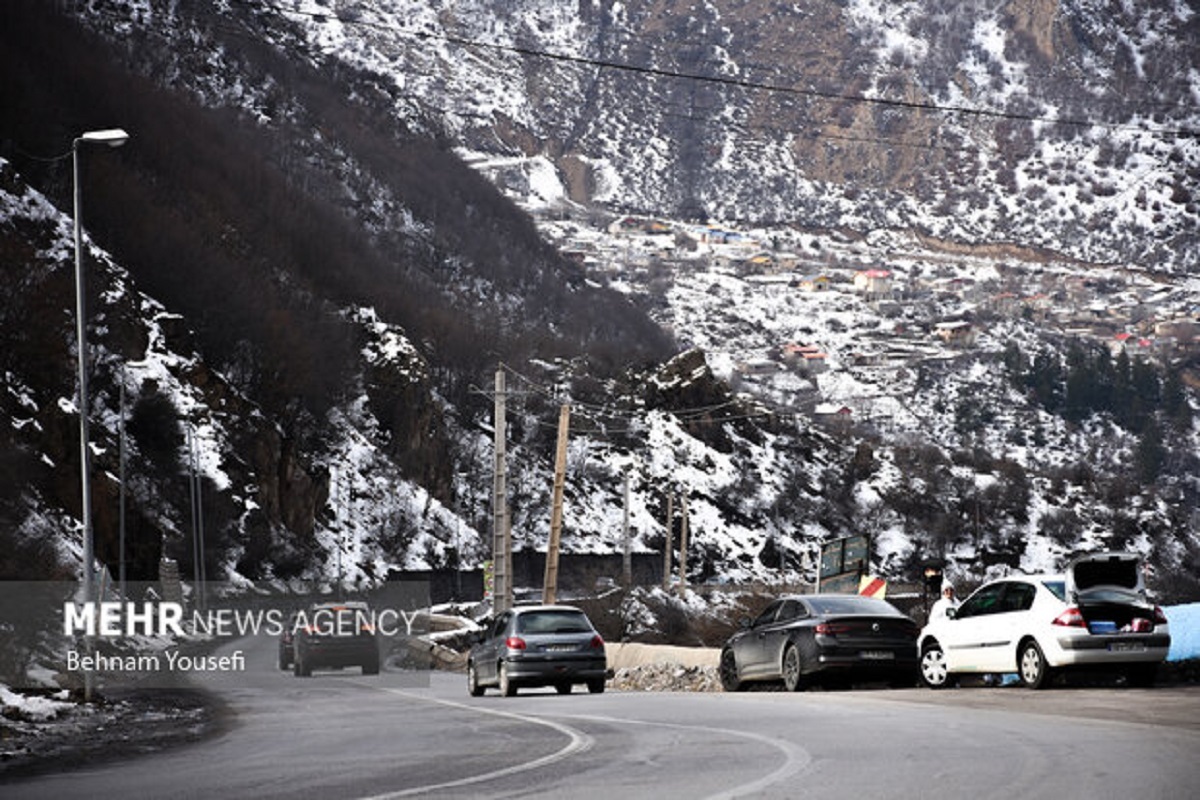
{"x": 805, "y": 639}
{"x": 538, "y": 646}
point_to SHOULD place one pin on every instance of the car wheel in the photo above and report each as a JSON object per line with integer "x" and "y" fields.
{"x": 793, "y": 678}
{"x": 934, "y": 672}
{"x": 371, "y": 667}
{"x": 596, "y": 685}
{"x": 728, "y": 672}
{"x": 473, "y": 686}
{"x": 562, "y": 688}
{"x": 1032, "y": 666}
{"x": 507, "y": 687}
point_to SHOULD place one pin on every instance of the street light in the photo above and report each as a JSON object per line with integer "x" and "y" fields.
{"x": 113, "y": 137}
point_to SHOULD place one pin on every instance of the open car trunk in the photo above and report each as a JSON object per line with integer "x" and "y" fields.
{"x": 1108, "y": 590}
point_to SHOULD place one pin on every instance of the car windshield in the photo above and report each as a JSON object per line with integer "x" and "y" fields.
{"x": 851, "y": 605}
{"x": 554, "y": 621}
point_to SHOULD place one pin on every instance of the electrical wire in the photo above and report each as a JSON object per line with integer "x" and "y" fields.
{"x": 730, "y": 81}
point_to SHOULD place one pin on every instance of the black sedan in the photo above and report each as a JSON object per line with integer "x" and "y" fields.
{"x": 806, "y": 639}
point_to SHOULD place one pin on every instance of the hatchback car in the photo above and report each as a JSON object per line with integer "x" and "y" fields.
{"x": 1094, "y": 616}
{"x": 335, "y": 635}
{"x": 543, "y": 645}
{"x": 805, "y": 639}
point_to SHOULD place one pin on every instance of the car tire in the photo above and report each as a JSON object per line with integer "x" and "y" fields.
{"x": 507, "y": 687}
{"x": 934, "y": 672}
{"x": 596, "y": 686}
{"x": 728, "y": 672}
{"x": 793, "y": 669}
{"x": 562, "y": 688}
{"x": 474, "y": 687}
{"x": 371, "y": 667}
{"x": 1035, "y": 673}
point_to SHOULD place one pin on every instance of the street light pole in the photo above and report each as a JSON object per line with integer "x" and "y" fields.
{"x": 113, "y": 137}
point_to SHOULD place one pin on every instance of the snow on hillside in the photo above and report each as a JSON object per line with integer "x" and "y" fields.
{"x": 519, "y": 77}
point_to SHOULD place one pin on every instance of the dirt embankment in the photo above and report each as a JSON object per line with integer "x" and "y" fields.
{"x": 663, "y": 668}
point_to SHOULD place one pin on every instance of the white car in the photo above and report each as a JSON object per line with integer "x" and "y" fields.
{"x": 1096, "y": 615}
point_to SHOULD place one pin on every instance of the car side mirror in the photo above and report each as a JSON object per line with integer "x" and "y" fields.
{"x": 952, "y": 613}
{"x": 745, "y": 623}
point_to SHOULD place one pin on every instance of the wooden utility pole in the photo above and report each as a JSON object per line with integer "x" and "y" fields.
{"x": 550, "y": 587}
{"x": 670, "y": 540}
{"x": 501, "y": 543}
{"x": 683, "y": 545}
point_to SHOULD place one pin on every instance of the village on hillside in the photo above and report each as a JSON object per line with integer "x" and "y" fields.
{"x": 807, "y": 310}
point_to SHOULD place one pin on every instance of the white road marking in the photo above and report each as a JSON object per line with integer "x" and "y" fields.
{"x": 578, "y": 742}
{"x": 795, "y": 758}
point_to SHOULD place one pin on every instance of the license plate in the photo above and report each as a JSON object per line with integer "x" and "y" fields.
{"x": 877, "y": 655}
{"x": 1126, "y": 647}
{"x": 560, "y": 648}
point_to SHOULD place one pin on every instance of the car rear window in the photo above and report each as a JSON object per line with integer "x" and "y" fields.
{"x": 851, "y": 605}
{"x": 553, "y": 622}
{"x": 1106, "y": 572}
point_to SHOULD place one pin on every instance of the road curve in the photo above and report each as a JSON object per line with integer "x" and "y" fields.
{"x": 398, "y": 735}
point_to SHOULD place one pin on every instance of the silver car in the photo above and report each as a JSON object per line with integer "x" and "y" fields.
{"x": 1095, "y": 615}
{"x": 538, "y": 646}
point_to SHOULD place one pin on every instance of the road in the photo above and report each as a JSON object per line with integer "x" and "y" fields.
{"x": 343, "y": 735}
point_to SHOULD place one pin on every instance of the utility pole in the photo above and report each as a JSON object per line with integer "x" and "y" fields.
{"x": 627, "y": 556}
{"x": 501, "y": 544}
{"x": 670, "y": 540}
{"x": 683, "y": 546}
{"x": 339, "y": 520}
{"x": 550, "y": 586}
{"x": 121, "y": 483}
{"x": 197, "y": 520}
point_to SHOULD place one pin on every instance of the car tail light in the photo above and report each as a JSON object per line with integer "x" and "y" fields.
{"x": 514, "y": 643}
{"x": 1071, "y": 618}
{"x": 831, "y": 628}
{"x": 1159, "y": 617}
{"x": 597, "y": 643}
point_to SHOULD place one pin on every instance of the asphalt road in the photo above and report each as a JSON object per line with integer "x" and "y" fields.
{"x": 343, "y": 735}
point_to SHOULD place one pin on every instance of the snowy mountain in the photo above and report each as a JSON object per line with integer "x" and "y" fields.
{"x": 909, "y": 269}
{"x": 1068, "y": 126}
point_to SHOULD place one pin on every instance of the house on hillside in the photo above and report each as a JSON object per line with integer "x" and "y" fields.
{"x": 1004, "y": 303}
{"x": 873, "y": 284}
{"x": 957, "y": 333}
{"x": 833, "y": 414}
{"x": 1131, "y": 344}
{"x": 806, "y": 359}
{"x": 758, "y": 264}
{"x": 815, "y": 282}
{"x": 638, "y": 225}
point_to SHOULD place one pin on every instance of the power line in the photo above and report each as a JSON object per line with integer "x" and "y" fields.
{"x": 736, "y": 82}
